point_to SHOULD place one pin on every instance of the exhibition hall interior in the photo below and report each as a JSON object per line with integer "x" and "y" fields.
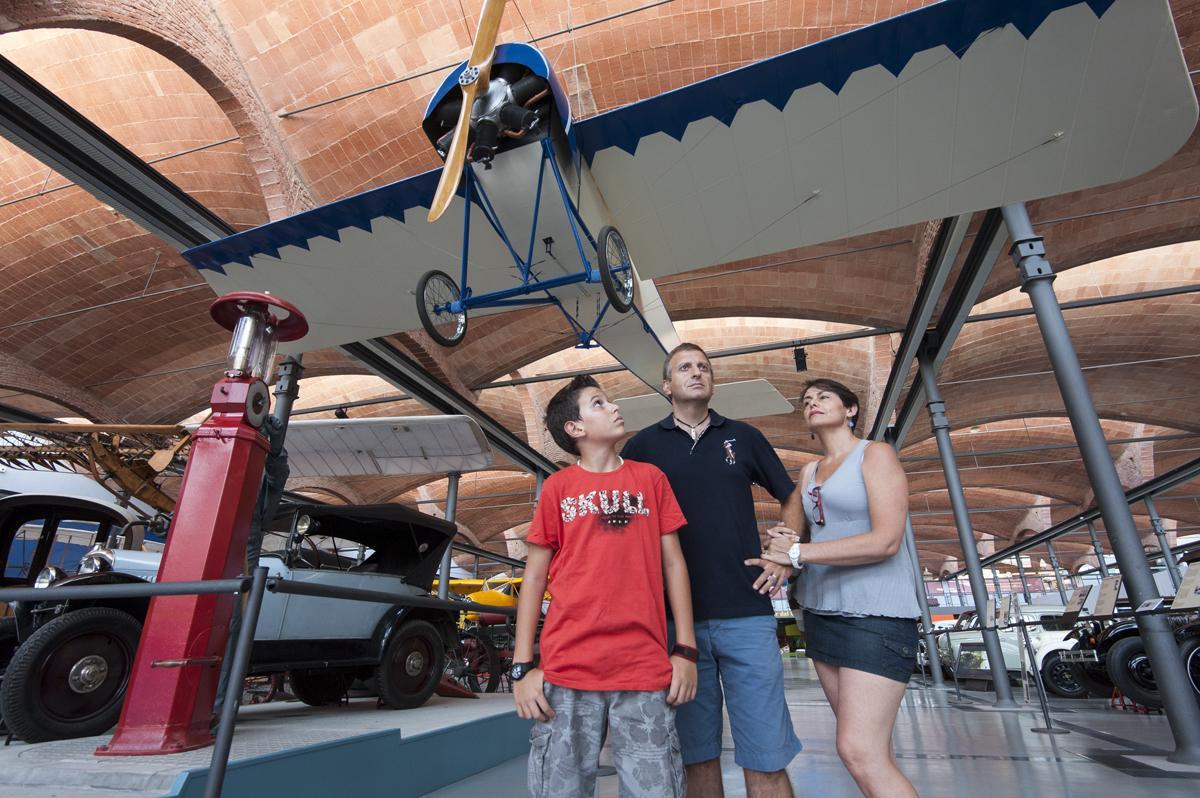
{"x": 892, "y": 304}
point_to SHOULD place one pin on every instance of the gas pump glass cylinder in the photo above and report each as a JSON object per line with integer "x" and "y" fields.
{"x": 252, "y": 350}
{"x": 262, "y": 354}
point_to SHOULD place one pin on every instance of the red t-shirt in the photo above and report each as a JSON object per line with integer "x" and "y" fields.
{"x": 606, "y": 628}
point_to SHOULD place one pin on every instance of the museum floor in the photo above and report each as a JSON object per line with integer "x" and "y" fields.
{"x": 950, "y": 748}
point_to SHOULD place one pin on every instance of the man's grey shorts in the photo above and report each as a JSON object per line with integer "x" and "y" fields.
{"x": 564, "y": 752}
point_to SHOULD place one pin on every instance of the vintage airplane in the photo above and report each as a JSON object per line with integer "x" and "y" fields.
{"x": 131, "y": 460}
{"x": 961, "y": 106}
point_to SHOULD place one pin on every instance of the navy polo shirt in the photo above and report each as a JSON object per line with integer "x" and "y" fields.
{"x": 712, "y": 480}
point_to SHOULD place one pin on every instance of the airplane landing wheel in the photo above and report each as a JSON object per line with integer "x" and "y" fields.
{"x": 616, "y": 269}
{"x": 436, "y": 289}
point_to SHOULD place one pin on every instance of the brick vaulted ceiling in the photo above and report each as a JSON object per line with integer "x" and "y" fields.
{"x": 103, "y": 321}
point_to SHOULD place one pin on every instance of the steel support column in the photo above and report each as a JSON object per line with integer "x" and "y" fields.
{"x": 448, "y": 554}
{"x": 1024, "y": 585}
{"x": 1054, "y": 567}
{"x": 931, "y": 655}
{"x": 1163, "y": 543}
{"x": 1101, "y": 563}
{"x": 966, "y": 534}
{"x": 1037, "y": 281}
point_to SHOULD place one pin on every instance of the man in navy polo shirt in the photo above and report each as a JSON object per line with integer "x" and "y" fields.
{"x": 711, "y": 463}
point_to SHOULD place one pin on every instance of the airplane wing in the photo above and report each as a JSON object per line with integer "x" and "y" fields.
{"x": 386, "y": 446}
{"x": 960, "y": 106}
{"x": 743, "y": 399}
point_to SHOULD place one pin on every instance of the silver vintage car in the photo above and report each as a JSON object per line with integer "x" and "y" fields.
{"x": 85, "y": 649}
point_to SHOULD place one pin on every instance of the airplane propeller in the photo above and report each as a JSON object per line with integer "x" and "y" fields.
{"x": 473, "y": 80}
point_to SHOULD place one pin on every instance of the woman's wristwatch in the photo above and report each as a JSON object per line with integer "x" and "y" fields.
{"x": 794, "y": 555}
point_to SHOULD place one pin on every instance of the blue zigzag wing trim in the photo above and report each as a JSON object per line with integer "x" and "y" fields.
{"x": 892, "y": 43}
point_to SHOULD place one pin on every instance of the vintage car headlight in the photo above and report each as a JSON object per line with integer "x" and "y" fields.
{"x": 48, "y": 576}
{"x": 303, "y": 524}
{"x": 97, "y": 560}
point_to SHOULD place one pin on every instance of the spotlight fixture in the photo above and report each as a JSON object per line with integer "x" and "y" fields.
{"x": 341, "y": 413}
{"x": 801, "y": 358}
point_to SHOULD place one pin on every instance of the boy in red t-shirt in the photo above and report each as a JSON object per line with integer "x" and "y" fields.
{"x": 604, "y": 534}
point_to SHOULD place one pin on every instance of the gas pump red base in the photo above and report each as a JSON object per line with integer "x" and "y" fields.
{"x": 169, "y": 701}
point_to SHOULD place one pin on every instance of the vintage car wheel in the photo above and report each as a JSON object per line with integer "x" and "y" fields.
{"x": 8, "y": 642}
{"x": 412, "y": 665}
{"x": 8, "y": 645}
{"x": 1062, "y": 678}
{"x": 69, "y": 678}
{"x": 1129, "y": 668}
{"x": 1191, "y": 661}
{"x": 482, "y": 662}
{"x": 260, "y": 689}
{"x": 437, "y": 288}
{"x": 319, "y": 688}
{"x": 616, "y": 269}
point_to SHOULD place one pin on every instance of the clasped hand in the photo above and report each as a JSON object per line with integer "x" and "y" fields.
{"x": 780, "y": 540}
{"x": 776, "y": 564}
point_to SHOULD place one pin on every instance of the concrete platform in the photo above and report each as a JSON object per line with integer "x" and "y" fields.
{"x": 950, "y": 749}
{"x": 308, "y": 750}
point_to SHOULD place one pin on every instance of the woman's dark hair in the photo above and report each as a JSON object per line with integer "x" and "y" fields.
{"x": 849, "y": 398}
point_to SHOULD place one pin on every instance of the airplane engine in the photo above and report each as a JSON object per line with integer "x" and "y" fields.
{"x": 516, "y": 109}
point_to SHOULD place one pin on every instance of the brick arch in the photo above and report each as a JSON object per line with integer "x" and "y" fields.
{"x": 332, "y": 488}
{"x": 1051, "y": 481}
{"x": 189, "y": 34}
{"x": 1114, "y": 391}
{"x": 17, "y": 375}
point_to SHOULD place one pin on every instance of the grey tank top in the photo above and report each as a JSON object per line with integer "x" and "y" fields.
{"x": 886, "y": 588}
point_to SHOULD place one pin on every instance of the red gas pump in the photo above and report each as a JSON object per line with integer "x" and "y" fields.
{"x": 168, "y": 704}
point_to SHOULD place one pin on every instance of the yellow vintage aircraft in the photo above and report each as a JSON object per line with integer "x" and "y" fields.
{"x": 495, "y": 591}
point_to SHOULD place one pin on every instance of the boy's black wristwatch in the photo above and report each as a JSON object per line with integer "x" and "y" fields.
{"x": 521, "y": 669}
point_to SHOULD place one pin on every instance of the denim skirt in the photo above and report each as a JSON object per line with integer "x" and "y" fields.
{"x": 884, "y": 646}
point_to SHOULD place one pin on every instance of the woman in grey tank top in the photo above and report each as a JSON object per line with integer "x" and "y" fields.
{"x": 855, "y": 584}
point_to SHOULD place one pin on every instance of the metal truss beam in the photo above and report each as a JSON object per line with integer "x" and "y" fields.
{"x": 982, "y": 256}
{"x": 41, "y": 124}
{"x": 941, "y": 263}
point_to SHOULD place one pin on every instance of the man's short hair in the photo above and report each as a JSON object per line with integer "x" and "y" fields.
{"x": 684, "y": 347}
{"x": 564, "y": 407}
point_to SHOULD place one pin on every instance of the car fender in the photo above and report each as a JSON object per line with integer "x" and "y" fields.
{"x": 26, "y": 610}
{"x": 1053, "y": 645}
{"x": 395, "y": 617}
{"x": 1112, "y": 634}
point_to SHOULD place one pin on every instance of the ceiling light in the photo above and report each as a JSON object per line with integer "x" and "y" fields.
{"x": 801, "y": 358}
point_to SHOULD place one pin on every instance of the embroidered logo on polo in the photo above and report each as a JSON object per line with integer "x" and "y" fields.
{"x": 730, "y": 455}
{"x": 613, "y": 507}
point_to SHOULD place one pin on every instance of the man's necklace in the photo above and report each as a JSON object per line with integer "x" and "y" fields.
{"x": 696, "y": 430}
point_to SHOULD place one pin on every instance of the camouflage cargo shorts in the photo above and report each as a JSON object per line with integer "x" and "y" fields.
{"x": 563, "y": 753}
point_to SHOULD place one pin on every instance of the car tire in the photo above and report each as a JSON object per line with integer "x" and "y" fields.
{"x": 319, "y": 688}
{"x": 8, "y": 646}
{"x": 1191, "y": 662}
{"x": 1094, "y": 677}
{"x": 1129, "y": 668}
{"x": 412, "y": 665}
{"x": 1062, "y": 678}
{"x": 8, "y": 643}
{"x": 69, "y": 678}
